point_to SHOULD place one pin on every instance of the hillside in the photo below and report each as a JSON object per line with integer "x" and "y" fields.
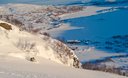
{"x": 24, "y": 45}
{"x": 18, "y": 47}
{"x": 19, "y": 68}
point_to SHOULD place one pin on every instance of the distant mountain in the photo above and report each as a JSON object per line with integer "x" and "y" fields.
{"x": 57, "y": 2}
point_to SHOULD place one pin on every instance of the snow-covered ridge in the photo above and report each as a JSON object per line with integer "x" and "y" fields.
{"x": 24, "y": 45}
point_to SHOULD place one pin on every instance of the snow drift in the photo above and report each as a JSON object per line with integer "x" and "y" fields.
{"x": 21, "y": 44}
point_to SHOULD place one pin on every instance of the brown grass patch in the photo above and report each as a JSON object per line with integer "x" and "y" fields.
{"x": 6, "y": 26}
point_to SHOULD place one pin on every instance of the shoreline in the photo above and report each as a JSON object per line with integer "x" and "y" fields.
{"x": 56, "y": 32}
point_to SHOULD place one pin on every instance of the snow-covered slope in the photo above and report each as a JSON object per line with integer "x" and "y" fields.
{"x": 21, "y": 44}
{"x": 18, "y": 68}
{"x": 16, "y": 46}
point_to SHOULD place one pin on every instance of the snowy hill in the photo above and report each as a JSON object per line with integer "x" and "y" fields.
{"x": 21, "y": 44}
{"x": 18, "y": 47}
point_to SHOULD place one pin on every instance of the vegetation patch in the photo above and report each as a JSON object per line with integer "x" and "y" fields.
{"x": 6, "y": 26}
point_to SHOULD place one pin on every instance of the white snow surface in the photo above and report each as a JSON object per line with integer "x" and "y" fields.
{"x": 24, "y": 45}
{"x": 18, "y": 68}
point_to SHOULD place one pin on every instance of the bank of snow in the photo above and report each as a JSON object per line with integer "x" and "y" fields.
{"x": 18, "y": 68}
{"x": 24, "y": 45}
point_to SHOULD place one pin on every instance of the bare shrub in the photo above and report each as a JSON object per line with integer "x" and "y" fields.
{"x": 36, "y": 30}
{"x": 17, "y": 22}
{"x": 46, "y": 34}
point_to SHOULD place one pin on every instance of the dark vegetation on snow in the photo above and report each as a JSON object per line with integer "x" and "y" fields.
{"x": 117, "y": 43}
{"x": 114, "y": 44}
{"x": 6, "y": 26}
{"x": 101, "y": 65}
